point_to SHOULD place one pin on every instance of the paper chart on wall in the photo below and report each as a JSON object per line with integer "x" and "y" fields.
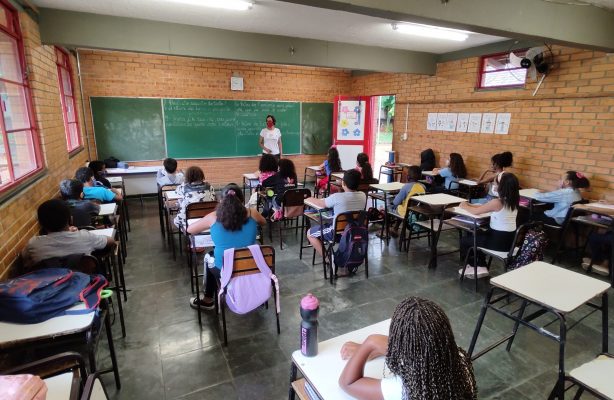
{"x": 431, "y": 122}
{"x": 441, "y": 121}
{"x": 450, "y": 122}
{"x": 502, "y": 125}
{"x": 462, "y": 122}
{"x": 351, "y": 120}
{"x": 475, "y": 119}
{"x": 488, "y": 122}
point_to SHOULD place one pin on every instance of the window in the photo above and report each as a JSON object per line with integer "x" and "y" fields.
{"x": 69, "y": 105}
{"x": 497, "y": 72}
{"x": 19, "y": 146}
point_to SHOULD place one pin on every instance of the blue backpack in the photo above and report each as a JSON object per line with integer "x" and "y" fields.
{"x": 353, "y": 244}
{"x": 47, "y": 293}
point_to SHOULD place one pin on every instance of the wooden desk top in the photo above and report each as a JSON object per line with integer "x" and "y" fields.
{"x": 250, "y": 177}
{"x": 551, "y": 286}
{"x": 323, "y": 370}
{"x": 110, "y": 232}
{"x": 388, "y": 187}
{"x": 597, "y": 208}
{"x": 465, "y": 213}
{"x": 108, "y": 209}
{"x": 528, "y": 193}
{"x": 438, "y": 199}
{"x": 314, "y": 206}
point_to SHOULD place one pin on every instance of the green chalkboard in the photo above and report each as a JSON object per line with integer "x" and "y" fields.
{"x": 130, "y": 129}
{"x": 197, "y": 128}
{"x": 316, "y": 127}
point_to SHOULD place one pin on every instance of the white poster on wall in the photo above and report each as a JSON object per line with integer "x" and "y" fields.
{"x": 502, "y": 126}
{"x": 351, "y": 120}
{"x": 441, "y": 121}
{"x": 462, "y": 122}
{"x": 488, "y": 122}
{"x": 475, "y": 120}
{"x": 431, "y": 122}
{"x": 450, "y": 125}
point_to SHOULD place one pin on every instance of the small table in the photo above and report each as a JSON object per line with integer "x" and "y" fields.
{"x": 137, "y": 180}
{"x": 313, "y": 170}
{"x": 554, "y": 290}
{"x": 529, "y": 194}
{"x": 108, "y": 209}
{"x": 322, "y": 371}
{"x": 386, "y": 189}
{"x": 438, "y": 203}
{"x": 467, "y": 186}
{"x": 250, "y": 181}
{"x": 391, "y": 171}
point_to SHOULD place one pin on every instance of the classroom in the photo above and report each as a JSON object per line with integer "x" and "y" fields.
{"x": 515, "y": 101}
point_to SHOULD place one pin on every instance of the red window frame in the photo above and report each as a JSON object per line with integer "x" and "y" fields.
{"x": 62, "y": 59}
{"x": 13, "y": 31}
{"x": 482, "y": 72}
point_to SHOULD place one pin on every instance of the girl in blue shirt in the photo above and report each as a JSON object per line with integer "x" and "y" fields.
{"x": 562, "y": 198}
{"x": 455, "y": 169}
{"x": 231, "y": 226}
{"x": 330, "y": 165}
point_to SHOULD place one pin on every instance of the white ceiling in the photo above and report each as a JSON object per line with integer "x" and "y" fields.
{"x": 276, "y": 18}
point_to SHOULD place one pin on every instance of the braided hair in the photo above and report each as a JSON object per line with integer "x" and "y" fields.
{"x": 423, "y": 353}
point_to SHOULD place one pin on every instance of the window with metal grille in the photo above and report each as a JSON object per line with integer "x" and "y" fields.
{"x": 69, "y": 104}
{"x": 497, "y": 72}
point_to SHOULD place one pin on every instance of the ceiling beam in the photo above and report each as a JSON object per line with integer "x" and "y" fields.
{"x": 84, "y": 30}
{"x": 583, "y": 26}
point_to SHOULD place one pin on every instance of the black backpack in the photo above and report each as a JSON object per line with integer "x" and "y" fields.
{"x": 353, "y": 244}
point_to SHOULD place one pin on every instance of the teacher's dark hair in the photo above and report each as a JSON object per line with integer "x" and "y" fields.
{"x": 272, "y": 117}
{"x": 231, "y": 212}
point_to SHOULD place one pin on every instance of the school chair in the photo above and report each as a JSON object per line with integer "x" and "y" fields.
{"x": 292, "y": 208}
{"x": 426, "y": 220}
{"x": 245, "y": 264}
{"x": 62, "y": 373}
{"x": 162, "y": 205}
{"x": 403, "y": 213}
{"x": 560, "y": 232}
{"x": 340, "y": 221}
{"x": 594, "y": 377}
{"x": 194, "y": 212}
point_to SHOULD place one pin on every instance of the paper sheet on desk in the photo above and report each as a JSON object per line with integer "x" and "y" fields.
{"x": 601, "y": 205}
{"x": 203, "y": 241}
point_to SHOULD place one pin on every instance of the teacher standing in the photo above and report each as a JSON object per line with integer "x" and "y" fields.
{"x": 270, "y": 138}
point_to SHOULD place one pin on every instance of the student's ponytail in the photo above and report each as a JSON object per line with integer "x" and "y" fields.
{"x": 578, "y": 180}
{"x": 362, "y": 159}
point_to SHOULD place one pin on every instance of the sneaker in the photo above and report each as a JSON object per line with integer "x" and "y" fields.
{"x": 585, "y": 264}
{"x": 601, "y": 270}
{"x": 586, "y": 260}
{"x": 204, "y": 305}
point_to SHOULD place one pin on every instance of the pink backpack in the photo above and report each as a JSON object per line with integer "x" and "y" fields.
{"x": 245, "y": 293}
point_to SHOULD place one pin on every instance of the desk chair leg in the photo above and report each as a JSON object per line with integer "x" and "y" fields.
{"x": 604, "y": 322}
{"x": 516, "y": 325}
{"x": 223, "y": 307}
{"x": 367, "y": 263}
{"x": 194, "y": 273}
{"x": 579, "y": 393}
{"x": 478, "y": 327}
{"x": 117, "y": 290}
{"x": 107, "y": 323}
{"x": 161, "y": 213}
{"x": 293, "y": 373}
{"x": 558, "y": 392}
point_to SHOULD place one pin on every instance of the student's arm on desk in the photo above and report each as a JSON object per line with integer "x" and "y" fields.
{"x": 489, "y": 179}
{"x": 492, "y": 205}
{"x": 118, "y": 194}
{"x": 202, "y": 224}
{"x": 318, "y": 202}
{"x": 256, "y": 216}
{"x": 352, "y": 379}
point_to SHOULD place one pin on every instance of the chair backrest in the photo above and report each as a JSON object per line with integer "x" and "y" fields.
{"x": 94, "y": 388}
{"x": 293, "y": 202}
{"x": 244, "y": 263}
{"x": 341, "y": 220}
{"x": 200, "y": 209}
{"x": 365, "y": 185}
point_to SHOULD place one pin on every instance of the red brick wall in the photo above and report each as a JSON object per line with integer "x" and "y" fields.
{"x": 108, "y": 73}
{"x": 18, "y": 214}
{"x": 569, "y": 124}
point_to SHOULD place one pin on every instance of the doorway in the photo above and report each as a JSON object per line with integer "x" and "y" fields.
{"x": 382, "y": 123}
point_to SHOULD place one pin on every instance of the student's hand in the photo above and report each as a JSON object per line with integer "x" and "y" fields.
{"x": 348, "y": 349}
{"x": 435, "y": 170}
{"x": 464, "y": 205}
{"x": 73, "y": 228}
{"x": 378, "y": 345}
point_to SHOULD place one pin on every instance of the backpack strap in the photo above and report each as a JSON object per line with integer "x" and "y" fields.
{"x": 264, "y": 268}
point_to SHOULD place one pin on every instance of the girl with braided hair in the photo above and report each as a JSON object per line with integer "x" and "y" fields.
{"x": 421, "y": 354}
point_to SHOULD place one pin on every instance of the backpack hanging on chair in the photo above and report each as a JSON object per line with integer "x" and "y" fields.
{"x": 532, "y": 248}
{"x": 353, "y": 244}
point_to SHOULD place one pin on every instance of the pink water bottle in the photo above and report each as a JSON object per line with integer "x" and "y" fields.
{"x": 309, "y": 325}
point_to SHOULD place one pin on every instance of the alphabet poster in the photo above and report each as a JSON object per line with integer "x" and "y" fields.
{"x": 351, "y": 120}
{"x": 462, "y": 122}
{"x": 502, "y": 125}
{"x": 488, "y": 122}
{"x": 475, "y": 119}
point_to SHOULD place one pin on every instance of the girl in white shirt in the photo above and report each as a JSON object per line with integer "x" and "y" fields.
{"x": 270, "y": 138}
{"x": 421, "y": 354}
{"x": 493, "y": 175}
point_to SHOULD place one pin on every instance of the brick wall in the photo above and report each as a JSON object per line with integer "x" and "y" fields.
{"x": 107, "y": 73}
{"x": 569, "y": 124}
{"x": 18, "y": 215}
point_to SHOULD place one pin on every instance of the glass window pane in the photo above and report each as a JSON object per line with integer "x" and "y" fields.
{"x": 9, "y": 59}
{"x": 66, "y": 82}
{"x": 69, "y": 103}
{"x": 504, "y": 78}
{"x": 22, "y": 152}
{"x": 5, "y": 176}
{"x": 73, "y": 137}
{"x": 14, "y": 106}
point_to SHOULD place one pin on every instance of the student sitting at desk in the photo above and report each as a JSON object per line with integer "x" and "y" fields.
{"x": 193, "y": 190}
{"x": 100, "y": 170}
{"x": 401, "y": 200}
{"x": 168, "y": 175}
{"x": 348, "y": 200}
{"x": 267, "y": 167}
{"x": 93, "y": 192}
{"x": 81, "y": 210}
{"x": 454, "y": 170}
{"x": 421, "y": 354}
{"x": 232, "y": 225}
{"x": 60, "y": 239}
{"x": 283, "y": 180}
{"x": 502, "y": 228}
{"x": 493, "y": 175}
{"x": 330, "y": 165}
{"x": 562, "y": 198}
{"x": 364, "y": 167}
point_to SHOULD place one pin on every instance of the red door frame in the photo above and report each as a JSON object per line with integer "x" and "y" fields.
{"x": 368, "y": 139}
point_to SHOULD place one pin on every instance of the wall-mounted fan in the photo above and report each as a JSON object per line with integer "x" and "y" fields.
{"x": 536, "y": 59}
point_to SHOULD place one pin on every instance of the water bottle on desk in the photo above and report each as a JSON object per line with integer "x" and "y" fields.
{"x": 309, "y": 325}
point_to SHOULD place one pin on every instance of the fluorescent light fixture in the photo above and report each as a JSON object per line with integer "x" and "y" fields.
{"x": 240, "y": 5}
{"x": 433, "y": 32}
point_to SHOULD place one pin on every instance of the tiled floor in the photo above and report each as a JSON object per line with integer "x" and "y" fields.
{"x": 166, "y": 355}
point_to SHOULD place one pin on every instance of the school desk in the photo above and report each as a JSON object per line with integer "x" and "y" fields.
{"x": 315, "y": 171}
{"x": 551, "y": 290}
{"x": 250, "y": 181}
{"x": 137, "y": 180}
{"x": 387, "y": 189}
{"x": 108, "y": 209}
{"x": 319, "y": 217}
{"x": 393, "y": 172}
{"x": 322, "y": 371}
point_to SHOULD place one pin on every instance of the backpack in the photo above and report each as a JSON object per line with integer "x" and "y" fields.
{"x": 47, "y": 293}
{"x": 245, "y": 293}
{"x": 353, "y": 244}
{"x": 373, "y": 214}
{"x": 532, "y": 248}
